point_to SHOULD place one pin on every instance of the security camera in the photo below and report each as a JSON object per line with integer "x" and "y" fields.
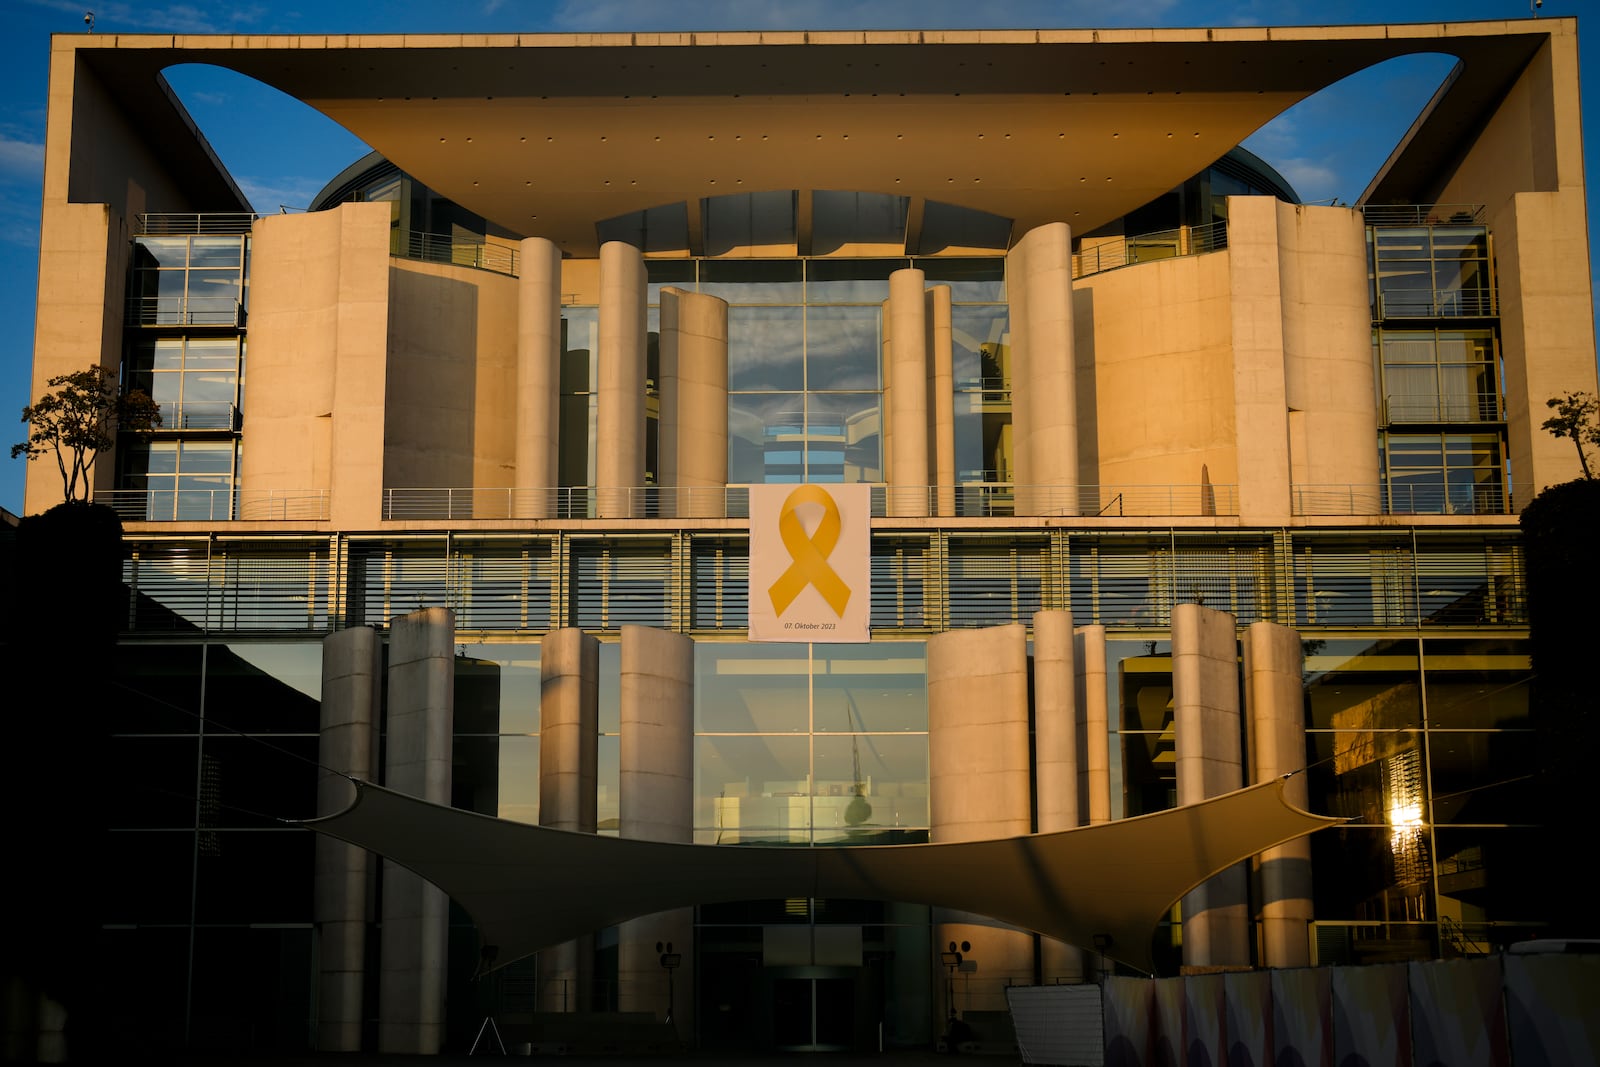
{"x": 88, "y": 21}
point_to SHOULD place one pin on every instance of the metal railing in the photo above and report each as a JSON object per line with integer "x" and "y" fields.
{"x": 216, "y": 505}
{"x": 1406, "y": 409}
{"x": 1400, "y": 500}
{"x": 1423, "y": 214}
{"x": 183, "y": 311}
{"x": 196, "y": 415}
{"x": 1436, "y": 304}
{"x": 1147, "y": 247}
{"x": 441, "y": 248}
{"x": 185, "y": 223}
{"x": 979, "y": 499}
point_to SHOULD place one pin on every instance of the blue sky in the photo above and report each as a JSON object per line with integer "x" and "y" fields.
{"x": 1328, "y": 147}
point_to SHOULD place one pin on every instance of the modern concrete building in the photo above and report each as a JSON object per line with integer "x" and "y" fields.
{"x": 1179, "y": 485}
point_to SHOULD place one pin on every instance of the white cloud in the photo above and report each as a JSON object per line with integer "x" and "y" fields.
{"x": 269, "y": 195}
{"x": 24, "y": 158}
{"x": 1313, "y": 180}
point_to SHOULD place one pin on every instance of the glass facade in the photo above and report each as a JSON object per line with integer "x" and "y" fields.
{"x": 185, "y": 347}
{"x": 805, "y": 341}
{"x": 1441, "y": 397}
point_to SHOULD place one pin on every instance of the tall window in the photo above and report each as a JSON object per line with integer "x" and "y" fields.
{"x": 1432, "y": 271}
{"x": 1448, "y": 376}
{"x": 189, "y": 281}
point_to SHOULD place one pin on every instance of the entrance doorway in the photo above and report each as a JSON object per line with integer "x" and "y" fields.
{"x": 814, "y": 1011}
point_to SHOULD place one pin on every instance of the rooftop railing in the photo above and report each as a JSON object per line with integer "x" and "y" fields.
{"x": 1147, "y": 247}
{"x": 982, "y": 499}
{"x": 178, "y": 224}
{"x": 1423, "y": 214}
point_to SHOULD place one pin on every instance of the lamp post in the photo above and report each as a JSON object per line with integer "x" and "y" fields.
{"x": 670, "y": 961}
{"x": 952, "y": 959}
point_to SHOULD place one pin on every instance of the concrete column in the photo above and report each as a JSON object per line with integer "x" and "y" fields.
{"x": 415, "y": 913}
{"x": 352, "y": 692}
{"x": 1094, "y": 727}
{"x": 1261, "y": 415}
{"x": 619, "y": 422}
{"x": 569, "y": 733}
{"x": 906, "y": 443}
{"x": 538, "y": 377}
{"x": 1327, "y": 346}
{"x": 1044, "y": 392}
{"x": 979, "y": 783}
{"x": 655, "y": 802}
{"x": 319, "y": 359}
{"x": 1056, "y": 759}
{"x": 692, "y": 442}
{"x": 941, "y": 399}
{"x": 1274, "y": 698}
{"x": 1205, "y": 694}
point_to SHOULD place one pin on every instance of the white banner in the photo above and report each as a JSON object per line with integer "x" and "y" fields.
{"x": 810, "y": 563}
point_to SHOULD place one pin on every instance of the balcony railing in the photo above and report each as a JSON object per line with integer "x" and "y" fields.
{"x": 1144, "y": 248}
{"x": 1436, "y": 304}
{"x": 216, "y": 505}
{"x": 1400, "y": 500}
{"x": 1423, "y": 214}
{"x": 1446, "y": 409}
{"x": 184, "y": 311}
{"x": 436, "y": 248}
{"x": 981, "y": 499}
{"x": 176, "y": 224}
{"x": 196, "y": 415}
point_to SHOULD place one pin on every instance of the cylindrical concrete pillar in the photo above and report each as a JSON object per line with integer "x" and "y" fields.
{"x": 941, "y": 399}
{"x": 1044, "y": 395}
{"x": 1275, "y": 703}
{"x": 979, "y": 787}
{"x": 1205, "y": 695}
{"x": 569, "y": 730}
{"x": 655, "y": 802}
{"x": 692, "y": 441}
{"x": 569, "y": 734}
{"x": 906, "y": 442}
{"x": 619, "y": 422}
{"x": 538, "y": 377}
{"x": 347, "y": 745}
{"x": 1056, "y": 760}
{"x": 1094, "y": 727}
{"x": 415, "y": 913}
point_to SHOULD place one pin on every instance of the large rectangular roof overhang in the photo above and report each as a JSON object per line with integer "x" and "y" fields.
{"x": 546, "y": 134}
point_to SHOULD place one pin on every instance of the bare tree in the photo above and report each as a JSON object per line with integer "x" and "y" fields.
{"x": 1575, "y": 417}
{"x": 78, "y": 419}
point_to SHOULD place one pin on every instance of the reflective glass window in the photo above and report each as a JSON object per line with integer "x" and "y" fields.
{"x": 743, "y": 688}
{"x": 750, "y": 222}
{"x": 840, "y": 220}
{"x": 765, "y": 349}
{"x": 1362, "y": 685}
{"x": 843, "y": 347}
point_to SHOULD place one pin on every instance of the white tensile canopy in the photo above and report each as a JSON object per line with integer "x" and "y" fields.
{"x": 528, "y": 887}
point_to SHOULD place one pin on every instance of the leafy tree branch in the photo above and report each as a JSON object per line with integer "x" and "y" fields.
{"x": 78, "y": 419}
{"x": 1575, "y": 417}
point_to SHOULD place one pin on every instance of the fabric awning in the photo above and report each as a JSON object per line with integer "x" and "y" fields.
{"x": 529, "y": 887}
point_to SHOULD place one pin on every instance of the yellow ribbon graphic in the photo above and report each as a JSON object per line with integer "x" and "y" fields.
{"x": 810, "y": 554}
